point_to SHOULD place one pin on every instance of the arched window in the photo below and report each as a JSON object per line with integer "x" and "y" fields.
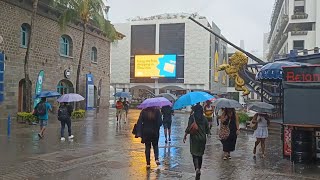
{"x": 24, "y": 35}
{"x": 94, "y": 55}
{"x": 65, "y": 45}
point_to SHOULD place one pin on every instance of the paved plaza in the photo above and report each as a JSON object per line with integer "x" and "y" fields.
{"x": 104, "y": 150}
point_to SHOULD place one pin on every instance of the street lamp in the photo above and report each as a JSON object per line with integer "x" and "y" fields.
{"x": 156, "y": 85}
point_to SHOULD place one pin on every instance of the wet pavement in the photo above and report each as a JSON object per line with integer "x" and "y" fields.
{"x": 103, "y": 149}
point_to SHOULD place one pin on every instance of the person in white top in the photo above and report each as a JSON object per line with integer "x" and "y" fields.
{"x": 261, "y": 133}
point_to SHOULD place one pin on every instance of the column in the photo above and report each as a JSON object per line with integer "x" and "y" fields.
{"x": 156, "y": 86}
{"x": 188, "y": 107}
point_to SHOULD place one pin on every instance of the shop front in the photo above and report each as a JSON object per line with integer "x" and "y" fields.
{"x": 301, "y": 118}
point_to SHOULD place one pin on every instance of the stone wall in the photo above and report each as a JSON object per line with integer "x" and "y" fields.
{"x": 45, "y": 54}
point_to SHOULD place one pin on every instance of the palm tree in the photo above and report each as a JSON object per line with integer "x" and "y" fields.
{"x": 27, "y": 92}
{"x": 88, "y": 12}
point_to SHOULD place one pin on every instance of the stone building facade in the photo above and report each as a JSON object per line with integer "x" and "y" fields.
{"x": 46, "y": 54}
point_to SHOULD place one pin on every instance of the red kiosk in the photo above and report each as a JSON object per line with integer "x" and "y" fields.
{"x": 301, "y": 121}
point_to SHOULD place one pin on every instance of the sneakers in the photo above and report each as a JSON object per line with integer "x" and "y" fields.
{"x": 198, "y": 174}
{"x": 40, "y": 136}
{"x": 63, "y": 139}
{"x": 158, "y": 162}
{"x": 71, "y": 137}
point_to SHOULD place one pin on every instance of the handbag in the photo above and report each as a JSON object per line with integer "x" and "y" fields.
{"x": 224, "y": 131}
{"x": 253, "y": 125}
{"x": 193, "y": 127}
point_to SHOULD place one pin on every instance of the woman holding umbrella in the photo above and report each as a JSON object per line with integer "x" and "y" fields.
{"x": 198, "y": 139}
{"x": 261, "y": 122}
{"x": 231, "y": 121}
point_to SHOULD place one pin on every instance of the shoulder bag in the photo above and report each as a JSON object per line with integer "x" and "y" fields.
{"x": 224, "y": 131}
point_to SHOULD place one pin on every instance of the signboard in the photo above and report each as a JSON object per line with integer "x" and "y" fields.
{"x": 301, "y": 95}
{"x": 38, "y": 88}
{"x": 155, "y": 66}
{"x": 90, "y": 92}
{"x": 2, "y": 69}
{"x": 302, "y": 74}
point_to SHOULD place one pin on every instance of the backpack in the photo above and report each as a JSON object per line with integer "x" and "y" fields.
{"x": 41, "y": 109}
{"x": 119, "y": 105}
{"x": 63, "y": 113}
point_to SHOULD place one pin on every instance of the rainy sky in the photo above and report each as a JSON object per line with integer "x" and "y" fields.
{"x": 238, "y": 19}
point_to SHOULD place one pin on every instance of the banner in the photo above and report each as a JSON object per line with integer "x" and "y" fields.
{"x": 2, "y": 68}
{"x": 38, "y": 88}
{"x": 287, "y": 141}
{"x": 90, "y": 92}
{"x": 216, "y": 66}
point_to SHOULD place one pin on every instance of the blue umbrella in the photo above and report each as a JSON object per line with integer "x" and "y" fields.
{"x": 122, "y": 94}
{"x": 273, "y": 71}
{"x": 48, "y": 94}
{"x": 191, "y": 98}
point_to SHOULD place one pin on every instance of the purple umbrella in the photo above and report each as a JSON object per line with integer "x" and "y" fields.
{"x": 155, "y": 102}
{"x": 72, "y": 97}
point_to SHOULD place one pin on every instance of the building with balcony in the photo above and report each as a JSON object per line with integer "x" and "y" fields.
{"x": 295, "y": 25}
{"x": 198, "y": 54}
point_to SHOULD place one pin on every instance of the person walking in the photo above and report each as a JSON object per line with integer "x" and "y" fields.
{"x": 64, "y": 116}
{"x": 208, "y": 112}
{"x": 125, "y": 109}
{"x": 198, "y": 139}
{"x": 261, "y": 133}
{"x": 119, "y": 108}
{"x": 42, "y": 112}
{"x": 231, "y": 120}
{"x": 150, "y": 118}
{"x": 167, "y": 113}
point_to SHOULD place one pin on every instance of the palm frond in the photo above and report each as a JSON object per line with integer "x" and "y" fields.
{"x": 67, "y": 16}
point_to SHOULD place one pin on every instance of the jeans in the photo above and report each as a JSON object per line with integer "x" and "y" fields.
{"x": 197, "y": 162}
{"x": 63, "y": 125}
{"x": 155, "y": 150}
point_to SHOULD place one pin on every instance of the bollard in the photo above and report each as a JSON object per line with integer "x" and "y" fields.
{"x": 9, "y": 125}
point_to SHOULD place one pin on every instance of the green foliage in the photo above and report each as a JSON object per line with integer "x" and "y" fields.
{"x": 88, "y": 12}
{"x": 243, "y": 117}
{"x": 78, "y": 114}
{"x": 26, "y": 117}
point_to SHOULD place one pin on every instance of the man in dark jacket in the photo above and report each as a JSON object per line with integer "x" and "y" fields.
{"x": 167, "y": 113}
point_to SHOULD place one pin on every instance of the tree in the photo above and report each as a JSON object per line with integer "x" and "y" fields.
{"x": 88, "y": 12}
{"x": 27, "y": 92}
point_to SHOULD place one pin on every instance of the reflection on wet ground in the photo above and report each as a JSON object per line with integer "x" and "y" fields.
{"x": 103, "y": 149}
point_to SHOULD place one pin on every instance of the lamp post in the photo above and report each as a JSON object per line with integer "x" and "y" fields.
{"x": 156, "y": 85}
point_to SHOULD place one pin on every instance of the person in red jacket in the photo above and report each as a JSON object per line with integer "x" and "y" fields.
{"x": 119, "y": 108}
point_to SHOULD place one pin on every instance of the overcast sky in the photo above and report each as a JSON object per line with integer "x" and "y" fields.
{"x": 238, "y": 19}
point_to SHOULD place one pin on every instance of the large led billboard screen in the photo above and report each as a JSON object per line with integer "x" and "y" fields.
{"x": 155, "y": 65}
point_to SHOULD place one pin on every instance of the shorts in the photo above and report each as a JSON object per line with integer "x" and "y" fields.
{"x": 167, "y": 124}
{"x": 118, "y": 112}
{"x": 210, "y": 119}
{"x": 43, "y": 123}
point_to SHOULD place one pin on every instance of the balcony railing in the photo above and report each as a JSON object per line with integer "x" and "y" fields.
{"x": 299, "y": 33}
{"x": 300, "y": 16}
{"x": 274, "y": 17}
